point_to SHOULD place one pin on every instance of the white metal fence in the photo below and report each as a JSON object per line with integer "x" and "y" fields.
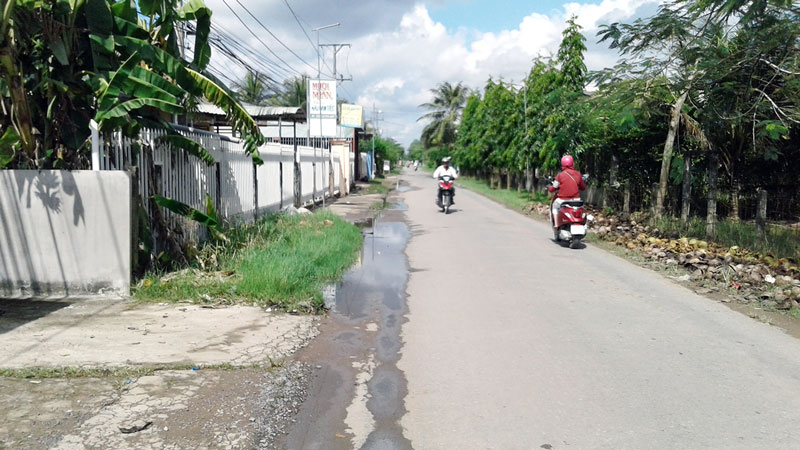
{"x": 239, "y": 190}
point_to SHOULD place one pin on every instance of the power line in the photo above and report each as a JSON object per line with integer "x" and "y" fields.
{"x": 259, "y": 39}
{"x": 273, "y": 35}
{"x": 297, "y": 19}
{"x": 259, "y": 58}
{"x": 222, "y": 40}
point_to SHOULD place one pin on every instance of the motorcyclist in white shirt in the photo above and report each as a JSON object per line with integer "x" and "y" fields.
{"x": 445, "y": 169}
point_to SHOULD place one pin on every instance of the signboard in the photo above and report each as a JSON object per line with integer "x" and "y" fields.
{"x": 352, "y": 116}
{"x": 322, "y": 108}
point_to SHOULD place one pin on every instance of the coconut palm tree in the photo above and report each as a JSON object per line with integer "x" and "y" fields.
{"x": 293, "y": 93}
{"x": 252, "y": 89}
{"x": 444, "y": 114}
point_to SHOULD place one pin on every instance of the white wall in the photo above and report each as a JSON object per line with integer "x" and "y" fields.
{"x": 64, "y": 233}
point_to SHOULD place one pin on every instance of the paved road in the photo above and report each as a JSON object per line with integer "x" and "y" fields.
{"x": 514, "y": 342}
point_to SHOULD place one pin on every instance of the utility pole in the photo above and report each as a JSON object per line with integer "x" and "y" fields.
{"x": 336, "y": 48}
{"x": 376, "y": 118}
{"x": 319, "y": 83}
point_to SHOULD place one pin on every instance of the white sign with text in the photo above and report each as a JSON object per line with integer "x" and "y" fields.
{"x": 322, "y": 108}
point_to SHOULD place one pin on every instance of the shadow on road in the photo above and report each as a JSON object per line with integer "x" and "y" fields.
{"x": 563, "y": 244}
{"x": 15, "y": 313}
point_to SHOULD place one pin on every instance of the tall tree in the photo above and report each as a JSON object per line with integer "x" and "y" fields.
{"x": 292, "y": 93}
{"x": 668, "y": 46}
{"x": 564, "y": 99}
{"x": 444, "y": 114}
{"x": 252, "y": 89}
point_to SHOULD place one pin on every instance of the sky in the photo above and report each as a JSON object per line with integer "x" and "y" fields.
{"x": 400, "y": 49}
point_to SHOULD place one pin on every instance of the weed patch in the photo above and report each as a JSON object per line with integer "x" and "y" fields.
{"x": 520, "y": 201}
{"x": 280, "y": 261}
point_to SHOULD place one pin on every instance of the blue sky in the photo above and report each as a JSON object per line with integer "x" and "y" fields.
{"x": 490, "y": 15}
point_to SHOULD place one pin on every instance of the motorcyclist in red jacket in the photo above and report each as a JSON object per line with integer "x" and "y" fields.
{"x": 567, "y": 185}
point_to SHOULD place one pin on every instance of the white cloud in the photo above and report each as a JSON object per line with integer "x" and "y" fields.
{"x": 423, "y": 53}
{"x": 402, "y": 53}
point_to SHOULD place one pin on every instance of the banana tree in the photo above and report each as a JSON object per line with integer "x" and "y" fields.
{"x": 119, "y": 63}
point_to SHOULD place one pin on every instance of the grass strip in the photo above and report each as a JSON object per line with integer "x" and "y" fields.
{"x": 128, "y": 372}
{"x": 375, "y": 187}
{"x": 519, "y": 201}
{"x": 280, "y": 261}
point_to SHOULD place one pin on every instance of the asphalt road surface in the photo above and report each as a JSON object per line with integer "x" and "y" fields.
{"x": 515, "y": 342}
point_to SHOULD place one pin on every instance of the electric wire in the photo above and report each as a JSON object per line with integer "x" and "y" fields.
{"x": 259, "y": 39}
{"x": 275, "y": 68}
{"x": 297, "y": 19}
{"x": 273, "y": 35}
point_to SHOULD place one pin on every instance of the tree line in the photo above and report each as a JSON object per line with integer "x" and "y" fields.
{"x": 699, "y": 113}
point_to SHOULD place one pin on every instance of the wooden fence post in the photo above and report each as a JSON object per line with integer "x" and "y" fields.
{"x": 626, "y": 201}
{"x": 761, "y": 213}
{"x": 711, "y": 216}
{"x": 686, "y": 197}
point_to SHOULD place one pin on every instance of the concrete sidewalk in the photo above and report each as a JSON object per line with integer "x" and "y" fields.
{"x": 101, "y": 332}
{"x": 197, "y": 402}
{"x": 360, "y": 208}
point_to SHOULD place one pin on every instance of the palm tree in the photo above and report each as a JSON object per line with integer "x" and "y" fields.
{"x": 293, "y": 93}
{"x": 444, "y": 115}
{"x": 252, "y": 89}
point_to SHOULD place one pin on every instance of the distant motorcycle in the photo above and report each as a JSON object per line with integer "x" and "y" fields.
{"x": 446, "y": 183}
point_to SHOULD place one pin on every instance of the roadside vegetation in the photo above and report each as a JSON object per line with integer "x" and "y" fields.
{"x": 517, "y": 200}
{"x": 386, "y": 149}
{"x": 376, "y": 186}
{"x": 697, "y": 126}
{"x": 281, "y": 261}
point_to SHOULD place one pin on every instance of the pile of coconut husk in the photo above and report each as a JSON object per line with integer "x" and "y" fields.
{"x": 757, "y": 276}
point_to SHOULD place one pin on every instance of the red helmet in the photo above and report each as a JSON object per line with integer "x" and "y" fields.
{"x": 566, "y": 162}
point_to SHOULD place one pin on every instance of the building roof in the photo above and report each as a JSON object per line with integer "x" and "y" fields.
{"x": 258, "y": 112}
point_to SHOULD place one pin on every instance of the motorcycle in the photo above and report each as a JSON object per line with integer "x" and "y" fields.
{"x": 571, "y": 221}
{"x": 446, "y": 183}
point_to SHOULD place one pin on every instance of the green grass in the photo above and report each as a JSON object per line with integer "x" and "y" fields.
{"x": 375, "y": 187}
{"x": 281, "y": 261}
{"x": 43, "y": 373}
{"x": 780, "y": 241}
{"x": 519, "y": 201}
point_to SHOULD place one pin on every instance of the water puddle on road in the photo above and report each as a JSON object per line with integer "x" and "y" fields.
{"x": 357, "y": 396}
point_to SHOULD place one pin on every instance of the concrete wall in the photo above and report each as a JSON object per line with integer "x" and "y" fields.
{"x": 64, "y": 233}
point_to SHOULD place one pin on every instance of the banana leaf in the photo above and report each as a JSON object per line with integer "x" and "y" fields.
{"x": 188, "y": 145}
{"x": 8, "y": 144}
{"x": 185, "y": 210}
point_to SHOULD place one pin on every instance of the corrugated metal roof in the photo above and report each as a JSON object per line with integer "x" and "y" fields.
{"x": 258, "y": 112}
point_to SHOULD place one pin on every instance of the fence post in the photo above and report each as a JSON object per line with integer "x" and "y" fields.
{"x": 280, "y": 162}
{"x": 711, "y": 215}
{"x": 654, "y": 193}
{"x": 761, "y": 213}
{"x": 686, "y": 197}
{"x": 626, "y": 201}
{"x": 298, "y": 187}
{"x": 255, "y": 191}
{"x": 95, "y": 145}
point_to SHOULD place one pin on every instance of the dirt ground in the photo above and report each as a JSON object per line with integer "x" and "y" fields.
{"x": 193, "y": 377}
